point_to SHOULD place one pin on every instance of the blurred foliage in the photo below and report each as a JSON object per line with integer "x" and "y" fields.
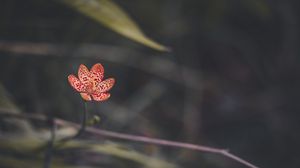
{"x": 11, "y": 125}
{"x": 27, "y": 145}
{"x": 30, "y": 144}
{"x": 259, "y": 7}
{"x": 112, "y": 16}
{"x": 231, "y": 81}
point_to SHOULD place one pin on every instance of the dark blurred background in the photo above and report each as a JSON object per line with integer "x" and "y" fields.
{"x": 231, "y": 80}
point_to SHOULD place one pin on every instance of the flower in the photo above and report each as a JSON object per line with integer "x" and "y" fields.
{"x": 90, "y": 84}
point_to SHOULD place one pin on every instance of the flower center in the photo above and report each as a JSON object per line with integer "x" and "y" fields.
{"x": 90, "y": 89}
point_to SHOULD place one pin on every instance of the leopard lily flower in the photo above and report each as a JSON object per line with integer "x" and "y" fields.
{"x": 89, "y": 83}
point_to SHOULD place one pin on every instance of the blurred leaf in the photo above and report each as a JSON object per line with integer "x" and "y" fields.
{"x": 5, "y": 102}
{"x": 12, "y": 125}
{"x": 260, "y": 7}
{"x": 13, "y": 162}
{"x": 121, "y": 151}
{"x": 112, "y": 16}
{"x": 215, "y": 12}
{"x": 29, "y": 144}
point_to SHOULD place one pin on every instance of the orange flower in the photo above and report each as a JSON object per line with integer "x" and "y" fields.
{"x": 90, "y": 83}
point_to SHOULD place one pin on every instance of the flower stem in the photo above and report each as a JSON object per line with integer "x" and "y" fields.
{"x": 82, "y": 126}
{"x": 83, "y": 122}
{"x": 49, "y": 151}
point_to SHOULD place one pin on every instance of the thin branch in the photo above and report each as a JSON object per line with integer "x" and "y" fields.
{"x": 117, "y": 135}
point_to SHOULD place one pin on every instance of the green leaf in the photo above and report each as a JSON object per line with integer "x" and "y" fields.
{"x": 113, "y": 17}
{"x": 28, "y": 145}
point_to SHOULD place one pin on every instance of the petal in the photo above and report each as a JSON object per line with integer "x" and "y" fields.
{"x": 84, "y": 74}
{"x": 101, "y": 96}
{"x": 97, "y": 72}
{"x": 85, "y": 96}
{"x": 105, "y": 85}
{"x": 75, "y": 83}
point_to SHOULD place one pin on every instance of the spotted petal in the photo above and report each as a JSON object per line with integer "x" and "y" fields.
{"x": 97, "y": 73}
{"x": 101, "y": 96}
{"x": 85, "y": 96}
{"x": 105, "y": 85}
{"x": 76, "y": 84}
{"x": 84, "y": 74}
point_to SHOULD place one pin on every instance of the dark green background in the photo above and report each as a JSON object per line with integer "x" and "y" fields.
{"x": 233, "y": 82}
